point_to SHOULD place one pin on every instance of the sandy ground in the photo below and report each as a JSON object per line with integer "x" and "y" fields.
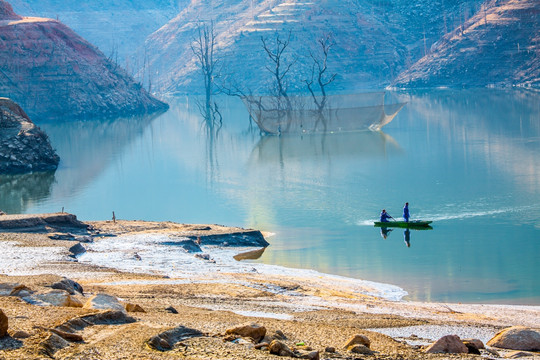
{"x": 318, "y": 312}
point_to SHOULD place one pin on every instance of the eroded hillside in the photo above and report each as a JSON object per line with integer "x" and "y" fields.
{"x": 498, "y": 47}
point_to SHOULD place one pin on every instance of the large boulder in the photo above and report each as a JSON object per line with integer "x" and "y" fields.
{"x": 134, "y": 308}
{"x": 358, "y": 340}
{"x": 59, "y": 298}
{"x": 280, "y": 349}
{"x": 166, "y": 340}
{"x": 449, "y": 344}
{"x": 52, "y": 344}
{"x": 360, "y": 349}
{"x": 517, "y": 338}
{"x": 104, "y": 302}
{"x": 3, "y": 324}
{"x": 72, "y": 287}
{"x": 254, "y": 331}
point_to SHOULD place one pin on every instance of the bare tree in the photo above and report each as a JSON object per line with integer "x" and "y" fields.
{"x": 319, "y": 74}
{"x": 319, "y": 71}
{"x": 203, "y": 47}
{"x": 279, "y": 67}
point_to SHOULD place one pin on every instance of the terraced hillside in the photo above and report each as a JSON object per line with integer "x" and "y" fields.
{"x": 498, "y": 47}
{"x": 374, "y": 40}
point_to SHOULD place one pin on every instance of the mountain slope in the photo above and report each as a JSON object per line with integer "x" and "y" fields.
{"x": 374, "y": 40}
{"x": 116, "y": 27}
{"x": 54, "y": 73}
{"x": 498, "y": 47}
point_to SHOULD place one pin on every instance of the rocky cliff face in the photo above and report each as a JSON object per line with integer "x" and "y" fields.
{"x": 54, "y": 73}
{"x": 23, "y": 146}
{"x": 374, "y": 40}
{"x": 499, "y": 46}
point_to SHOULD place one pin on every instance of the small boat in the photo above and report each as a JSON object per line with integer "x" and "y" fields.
{"x": 421, "y": 224}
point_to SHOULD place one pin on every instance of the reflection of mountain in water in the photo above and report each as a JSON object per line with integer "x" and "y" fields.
{"x": 320, "y": 146}
{"x": 17, "y": 191}
{"x": 493, "y": 122}
{"x": 86, "y": 148}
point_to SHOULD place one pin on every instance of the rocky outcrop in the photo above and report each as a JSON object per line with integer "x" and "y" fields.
{"x": 167, "y": 339}
{"x": 497, "y": 47}
{"x": 247, "y": 238}
{"x": 279, "y": 348}
{"x": 358, "y": 340}
{"x": 449, "y": 344}
{"x": 253, "y": 331}
{"x": 24, "y": 147}
{"x": 104, "y": 302}
{"x": 61, "y": 220}
{"x": 72, "y": 287}
{"x": 55, "y": 74}
{"x": 517, "y": 338}
{"x": 59, "y": 298}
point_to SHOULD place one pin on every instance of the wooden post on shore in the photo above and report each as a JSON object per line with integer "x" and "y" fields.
{"x": 113, "y": 218}
{"x": 62, "y": 209}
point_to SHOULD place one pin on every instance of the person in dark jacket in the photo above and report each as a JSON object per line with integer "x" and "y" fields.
{"x": 406, "y": 212}
{"x": 385, "y": 216}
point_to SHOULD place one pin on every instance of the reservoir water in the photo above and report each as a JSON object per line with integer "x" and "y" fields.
{"x": 468, "y": 160}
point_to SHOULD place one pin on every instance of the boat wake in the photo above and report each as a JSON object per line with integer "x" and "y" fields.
{"x": 458, "y": 216}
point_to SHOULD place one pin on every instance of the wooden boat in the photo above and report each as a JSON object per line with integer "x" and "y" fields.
{"x": 421, "y": 224}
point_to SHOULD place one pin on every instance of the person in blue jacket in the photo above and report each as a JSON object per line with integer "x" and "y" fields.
{"x": 385, "y": 216}
{"x": 406, "y": 212}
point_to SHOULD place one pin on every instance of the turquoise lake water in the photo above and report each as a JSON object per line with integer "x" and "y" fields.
{"x": 469, "y": 160}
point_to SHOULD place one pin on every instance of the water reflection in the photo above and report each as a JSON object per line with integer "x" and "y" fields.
{"x": 407, "y": 237}
{"x": 87, "y": 148}
{"x": 20, "y": 190}
{"x": 315, "y": 147}
{"x": 385, "y": 232}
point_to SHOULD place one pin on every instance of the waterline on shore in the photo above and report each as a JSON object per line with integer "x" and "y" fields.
{"x": 147, "y": 253}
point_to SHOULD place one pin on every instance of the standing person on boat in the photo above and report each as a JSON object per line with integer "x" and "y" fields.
{"x": 406, "y": 212}
{"x": 385, "y": 216}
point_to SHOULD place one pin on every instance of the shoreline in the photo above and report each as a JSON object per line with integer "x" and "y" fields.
{"x": 148, "y": 263}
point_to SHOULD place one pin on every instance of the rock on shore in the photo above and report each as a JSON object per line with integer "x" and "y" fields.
{"x": 54, "y": 73}
{"x": 23, "y": 146}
